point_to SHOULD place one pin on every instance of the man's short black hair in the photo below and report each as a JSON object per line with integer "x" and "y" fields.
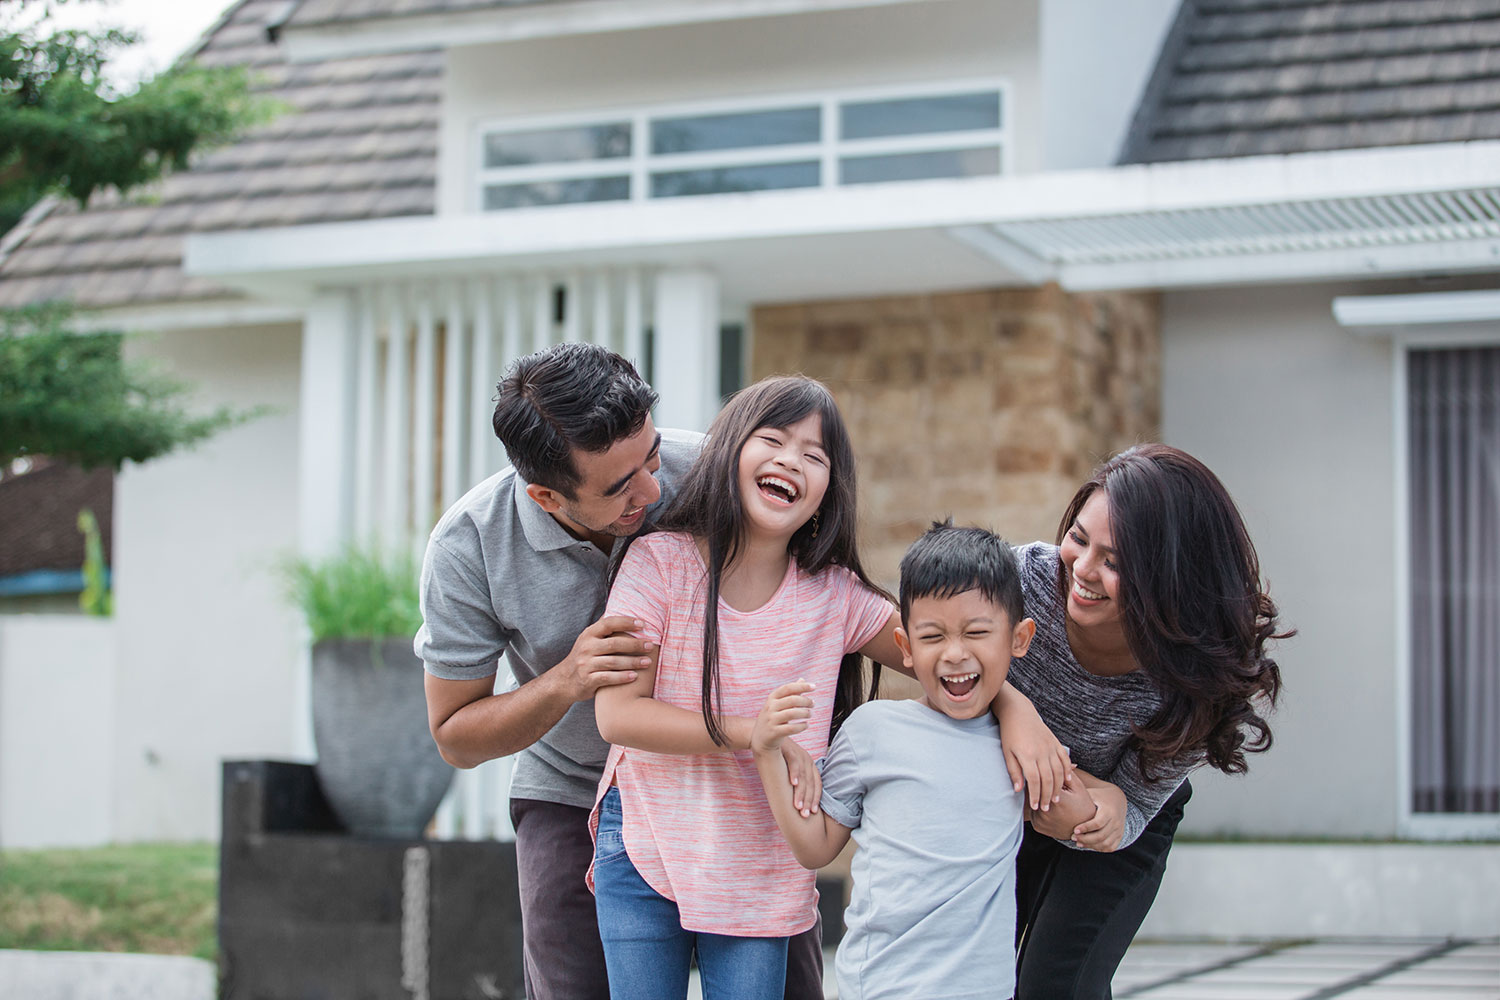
{"x": 568, "y": 396}
{"x": 947, "y": 561}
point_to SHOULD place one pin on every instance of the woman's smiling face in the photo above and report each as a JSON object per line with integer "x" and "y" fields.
{"x": 1088, "y": 556}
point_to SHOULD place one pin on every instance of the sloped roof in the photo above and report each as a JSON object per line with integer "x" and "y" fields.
{"x": 360, "y": 142}
{"x": 311, "y": 12}
{"x": 39, "y": 516}
{"x": 1250, "y": 77}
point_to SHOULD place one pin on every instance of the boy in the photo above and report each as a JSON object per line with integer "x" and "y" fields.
{"x": 922, "y": 785}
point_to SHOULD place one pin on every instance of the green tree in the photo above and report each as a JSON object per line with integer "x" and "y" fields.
{"x": 73, "y": 396}
{"x": 64, "y": 130}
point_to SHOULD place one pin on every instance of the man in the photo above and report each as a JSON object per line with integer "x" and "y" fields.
{"x": 518, "y": 568}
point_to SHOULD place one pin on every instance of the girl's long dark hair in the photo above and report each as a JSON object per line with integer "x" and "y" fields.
{"x": 708, "y": 506}
{"x": 1194, "y": 612}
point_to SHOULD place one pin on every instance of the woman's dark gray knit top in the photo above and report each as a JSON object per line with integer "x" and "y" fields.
{"x": 1091, "y": 715}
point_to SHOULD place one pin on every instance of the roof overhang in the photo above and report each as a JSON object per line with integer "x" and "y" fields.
{"x": 311, "y": 41}
{"x": 1416, "y": 210}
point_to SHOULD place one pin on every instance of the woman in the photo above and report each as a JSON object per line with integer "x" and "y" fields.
{"x": 1149, "y": 661}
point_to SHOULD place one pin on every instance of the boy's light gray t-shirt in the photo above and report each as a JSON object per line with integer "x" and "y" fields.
{"x": 502, "y": 578}
{"x": 933, "y": 911}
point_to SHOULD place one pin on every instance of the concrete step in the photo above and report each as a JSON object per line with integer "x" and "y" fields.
{"x": 77, "y": 975}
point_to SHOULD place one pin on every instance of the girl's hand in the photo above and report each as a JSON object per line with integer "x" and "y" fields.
{"x": 1104, "y": 831}
{"x": 1072, "y": 808}
{"x": 1035, "y": 758}
{"x": 807, "y": 782}
{"x": 785, "y": 714}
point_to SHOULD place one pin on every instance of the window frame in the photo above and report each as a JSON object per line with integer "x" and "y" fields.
{"x": 1404, "y": 340}
{"x": 827, "y": 152}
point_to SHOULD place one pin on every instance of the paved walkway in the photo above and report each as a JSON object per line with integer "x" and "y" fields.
{"x": 1309, "y": 970}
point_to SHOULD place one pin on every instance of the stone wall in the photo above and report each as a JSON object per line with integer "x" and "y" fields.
{"x": 989, "y": 406}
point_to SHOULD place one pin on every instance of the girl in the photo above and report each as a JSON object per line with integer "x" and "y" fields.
{"x": 1149, "y": 660}
{"x": 752, "y": 581}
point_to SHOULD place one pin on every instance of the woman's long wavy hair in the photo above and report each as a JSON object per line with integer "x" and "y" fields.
{"x": 1195, "y": 615}
{"x": 708, "y": 506}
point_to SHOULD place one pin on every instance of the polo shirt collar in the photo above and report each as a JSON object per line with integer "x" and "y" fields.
{"x": 543, "y": 533}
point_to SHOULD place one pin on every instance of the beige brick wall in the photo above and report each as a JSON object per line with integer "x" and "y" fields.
{"x": 990, "y": 406}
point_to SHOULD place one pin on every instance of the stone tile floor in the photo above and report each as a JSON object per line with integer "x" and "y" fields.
{"x": 1405, "y": 969}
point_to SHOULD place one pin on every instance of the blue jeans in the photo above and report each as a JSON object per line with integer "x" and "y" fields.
{"x": 646, "y": 949}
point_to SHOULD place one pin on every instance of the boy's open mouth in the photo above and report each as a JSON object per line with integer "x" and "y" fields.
{"x": 777, "y": 489}
{"x": 959, "y": 684}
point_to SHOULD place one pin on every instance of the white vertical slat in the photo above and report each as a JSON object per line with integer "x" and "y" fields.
{"x": 397, "y": 425}
{"x": 634, "y": 320}
{"x": 512, "y": 334}
{"x": 455, "y": 393}
{"x": 365, "y": 415}
{"x": 573, "y": 308}
{"x": 498, "y": 795}
{"x": 543, "y": 331}
{"x": 481, "y": 377}
{"x": 474, "y": 789}
{"x": 424, "y": 421}
{"x": 445, "y": 820}
{"x": 602, "y": 331}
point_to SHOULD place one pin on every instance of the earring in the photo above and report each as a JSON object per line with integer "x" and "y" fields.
{"x": 817, "y": 518}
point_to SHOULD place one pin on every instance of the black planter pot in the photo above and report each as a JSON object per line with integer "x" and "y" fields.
{"x": 377, "y": 763}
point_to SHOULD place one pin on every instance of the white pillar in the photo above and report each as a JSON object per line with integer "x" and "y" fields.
{"x": 685, "y": 359}
{"x": 326, "y": 417}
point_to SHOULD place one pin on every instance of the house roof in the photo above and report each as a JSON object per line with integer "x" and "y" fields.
{"x": 310, "y": 12}
{"x": 39, "y": 516}
{"x": 1250, "y": 77}
{"x": 359, "y": 142}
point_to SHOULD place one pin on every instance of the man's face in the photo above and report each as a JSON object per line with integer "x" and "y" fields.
{"x": 617, "y": 486}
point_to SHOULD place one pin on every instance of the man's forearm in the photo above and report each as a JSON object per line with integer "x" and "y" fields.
{"x": 498, "y": 725}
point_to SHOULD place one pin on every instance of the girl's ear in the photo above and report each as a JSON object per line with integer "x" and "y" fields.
{"x": 1021, "y": 636}
{"x": 903, "y": 643}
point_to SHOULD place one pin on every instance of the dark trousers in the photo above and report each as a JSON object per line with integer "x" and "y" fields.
{"x": 563, "y": 956}
{"x": 1079, "y": 910}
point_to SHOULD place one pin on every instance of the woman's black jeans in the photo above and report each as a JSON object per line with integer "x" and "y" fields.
{"x": 1079, "y": 910}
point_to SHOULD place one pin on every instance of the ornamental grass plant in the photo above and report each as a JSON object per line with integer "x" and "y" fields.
{"x": 359, "y": 593}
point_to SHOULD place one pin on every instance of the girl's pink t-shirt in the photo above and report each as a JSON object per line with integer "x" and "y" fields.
{"x": 697, "y": 827}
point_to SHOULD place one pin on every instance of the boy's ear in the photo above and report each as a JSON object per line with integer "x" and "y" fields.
{"x": 903, "y": 643}
{"x": 1021, "y": 636}
{"x": 546, "y": 498}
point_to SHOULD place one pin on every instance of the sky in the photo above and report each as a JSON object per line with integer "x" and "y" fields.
{"x": 167, "y": 28}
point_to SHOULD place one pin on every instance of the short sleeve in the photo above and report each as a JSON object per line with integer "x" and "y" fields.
{"x": 868, "y": 613}
{"x": 460, "y": 638}
{"x": 843, "y": 788}
{"x": 641, "y": 587}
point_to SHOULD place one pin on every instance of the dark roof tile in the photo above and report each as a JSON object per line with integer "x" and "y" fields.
{"x": 365, "y": 147}
{"x": 1245, "y": 77}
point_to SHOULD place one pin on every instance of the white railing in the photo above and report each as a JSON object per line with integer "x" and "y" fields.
{"x": 427, "y": 357}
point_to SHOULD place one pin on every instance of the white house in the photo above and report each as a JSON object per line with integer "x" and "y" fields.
{"x": 1014, "y": 235}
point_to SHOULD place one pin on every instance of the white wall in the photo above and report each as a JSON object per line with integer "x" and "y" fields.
{"x": 57, "y": 687}
{"x": 812, "y": 52}
{"x": 1295, "y": 415}
{"x": 1096, "y": 57}
{"x": 207, "y": 650}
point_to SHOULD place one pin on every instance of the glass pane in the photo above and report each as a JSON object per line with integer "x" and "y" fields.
{"x": 919, "y": 166}
{"x": 499, "y": 196}
{"x": 920, "y": 115}
{"x": 723, "y": 180}
{"x": 743, "y": 130}
{"x": 557, "y": 145}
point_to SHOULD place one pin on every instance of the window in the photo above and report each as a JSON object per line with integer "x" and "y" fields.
{"x": 1453, "y": 441}
{"x": 938, "y": 131}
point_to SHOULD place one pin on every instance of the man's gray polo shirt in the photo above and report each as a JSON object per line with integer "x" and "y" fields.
{"x": 502, "y": 578}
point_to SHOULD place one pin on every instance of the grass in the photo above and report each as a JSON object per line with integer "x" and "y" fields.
{"x": 151, "y": 898}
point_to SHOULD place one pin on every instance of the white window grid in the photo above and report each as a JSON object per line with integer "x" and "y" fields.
{"x": 828, "y": 152}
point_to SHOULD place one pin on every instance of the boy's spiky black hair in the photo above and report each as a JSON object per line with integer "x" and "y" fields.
{"x": 947, "y": 561}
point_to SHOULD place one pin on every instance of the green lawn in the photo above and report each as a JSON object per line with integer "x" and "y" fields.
{"x": 155, "y": 898}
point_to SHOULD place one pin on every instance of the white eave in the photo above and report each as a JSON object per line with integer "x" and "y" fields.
{"x": 312, "y": 42}
{"x": 1302, "y": 217}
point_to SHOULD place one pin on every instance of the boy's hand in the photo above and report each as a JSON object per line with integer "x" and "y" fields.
{"x": 786, "y": 713}
{"x": 1103, "y": 832}
{"x": 807, "y": 782}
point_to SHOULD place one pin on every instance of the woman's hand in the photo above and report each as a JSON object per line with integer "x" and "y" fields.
{"x": 1034, "y": 757}
{"x": 1104, "y": 832}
